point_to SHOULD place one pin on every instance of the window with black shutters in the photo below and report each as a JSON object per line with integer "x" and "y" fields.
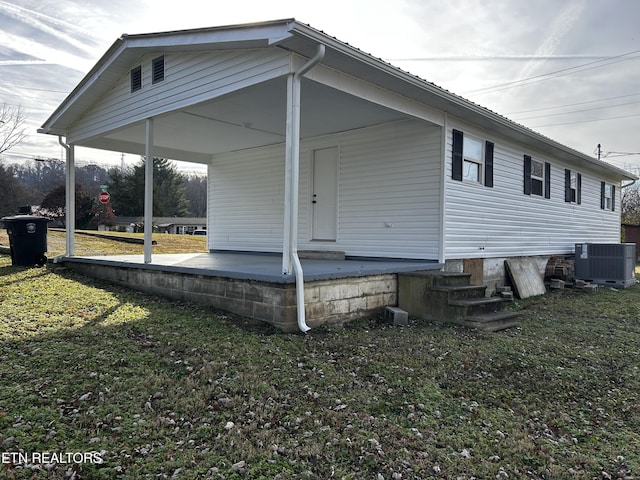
{"x": 537, "y": 177}
{"x": 472, "y": 159}
{"x": 607, "y": 196}
{"x": 572, "y": 187}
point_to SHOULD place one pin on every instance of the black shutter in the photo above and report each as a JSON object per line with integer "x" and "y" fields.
{"x": 136, "y": 79}
{"x": 613, "y": 198}
{"x": 527, "y": 175}
{"x": 547, "y": 180}
{"x": 579, "y": 189}
{"x": 602, "y": 202}
{"x": 456, "y": 161}
{"x": 157, "y": 69}
{"x": 488, "y": 164}
{"x": 567, "y": 185}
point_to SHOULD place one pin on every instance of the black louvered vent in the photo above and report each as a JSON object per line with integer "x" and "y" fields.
{"x": 136, "y": 79}
{"x": 157, "y": 66}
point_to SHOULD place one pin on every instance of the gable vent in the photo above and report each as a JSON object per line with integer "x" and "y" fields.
{"x": 157, "y": 68}
{"x": 136, "y": 79}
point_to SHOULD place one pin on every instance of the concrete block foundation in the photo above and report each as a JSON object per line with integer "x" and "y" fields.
{"x": 333, "y": 301}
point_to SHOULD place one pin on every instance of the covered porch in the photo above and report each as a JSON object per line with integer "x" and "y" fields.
{"x": 220, "y": 95}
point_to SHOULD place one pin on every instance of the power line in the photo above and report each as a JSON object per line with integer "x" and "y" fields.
{"x": 28, "y": 107}
{"x": 550, "y": 75}
{"x": 619, "y": 154}
{"x": 577, "y": 111}
{"x": 43, "y": 90}
{"x": 475, "y": 58}
{"x": 585, "y": 121}
{"x": 572, "y": 104}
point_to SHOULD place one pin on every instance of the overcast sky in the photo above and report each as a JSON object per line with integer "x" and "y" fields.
{"x": 569, "y": 69}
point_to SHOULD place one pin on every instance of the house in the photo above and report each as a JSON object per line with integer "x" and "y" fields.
{"x": 180, "y": 226}
{"x": 176, "y": 225}
{"x": 314, "y": 145}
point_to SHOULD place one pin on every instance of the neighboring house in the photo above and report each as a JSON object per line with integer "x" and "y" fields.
{"x": 124, "y": 224}
{"x": 312, "y": 144}
{"x": 176, "y": 225}
{"x": 180, "y": 226}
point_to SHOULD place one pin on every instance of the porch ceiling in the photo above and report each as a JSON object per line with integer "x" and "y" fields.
{"x": 252, "y": 117}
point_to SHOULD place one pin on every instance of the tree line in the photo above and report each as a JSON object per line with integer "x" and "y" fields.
{"x": 41, "y": 184}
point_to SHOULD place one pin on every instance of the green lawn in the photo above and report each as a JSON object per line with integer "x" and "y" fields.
{"x": 161, "y": 389}
{"x": 89, "y": 245}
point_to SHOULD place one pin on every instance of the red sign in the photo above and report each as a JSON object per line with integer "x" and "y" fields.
{"x": 104, "y": 197}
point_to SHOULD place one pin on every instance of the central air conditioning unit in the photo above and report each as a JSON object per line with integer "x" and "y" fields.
{"x": 611, "y": 264}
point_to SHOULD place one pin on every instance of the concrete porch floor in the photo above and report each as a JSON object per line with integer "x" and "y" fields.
{"x": 252, "y": 285}
{"x": 261, "y": 267}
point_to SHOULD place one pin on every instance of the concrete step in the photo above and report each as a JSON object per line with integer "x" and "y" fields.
{"x": 475, "y": 306}
{"x": 472, "y": 302}
{"x": 463, "y": 291}
{"x": 321, "y": 255}
{"x": 492, "y": 322}
{"x": 452, "y": 279}
{"x": 435, "y": 278}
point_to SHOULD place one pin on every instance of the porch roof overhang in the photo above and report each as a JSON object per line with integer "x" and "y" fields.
{"x": 240, "y": 116}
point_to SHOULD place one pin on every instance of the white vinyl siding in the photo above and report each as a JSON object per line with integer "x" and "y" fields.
{"x": 504, "y": 222}
{"x": 388, "y": 194}
{"x": 189, "y": 79}
{"x": 246, "y": 200}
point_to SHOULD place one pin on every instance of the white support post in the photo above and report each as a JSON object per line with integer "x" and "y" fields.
{"x": 70, "y": 199}
{"x": 70, "y": 203}
{"x": 148, "y": 193}
{"x": 288, "y": 219}
{"x": 295, "y": 162}
{"x": 443, "y": 190}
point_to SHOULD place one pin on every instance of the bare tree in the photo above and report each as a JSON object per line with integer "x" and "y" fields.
{"x": 12, "y": 126}
{"x": 196, "y": 194}
{"x": 631, "y": 205}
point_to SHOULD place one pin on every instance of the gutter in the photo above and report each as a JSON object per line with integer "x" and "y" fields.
{"x": 295, "y": 168}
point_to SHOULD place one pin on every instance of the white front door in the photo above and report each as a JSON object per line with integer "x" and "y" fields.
{"x": 324, "y": 200}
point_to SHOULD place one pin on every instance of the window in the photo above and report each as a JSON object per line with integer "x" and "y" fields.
{"x": 607, "y": 196}
{"x": 136, "y": 79}
{"x": 157, "y": 70}
{"x": 537, "y": 177}
{"x": 472, "y": 159}
{"x": 572, "y": 187}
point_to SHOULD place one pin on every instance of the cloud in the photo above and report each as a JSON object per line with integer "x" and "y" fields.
{"x": 559, "y": 27}
{"x": 45, "y": 30}
{"x": 48, "y": 45}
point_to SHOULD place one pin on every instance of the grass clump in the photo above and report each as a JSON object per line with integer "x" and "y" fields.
{"x": 161, "y": 389}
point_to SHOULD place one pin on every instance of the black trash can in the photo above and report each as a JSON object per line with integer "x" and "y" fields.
{"x": 27, "y": 239}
